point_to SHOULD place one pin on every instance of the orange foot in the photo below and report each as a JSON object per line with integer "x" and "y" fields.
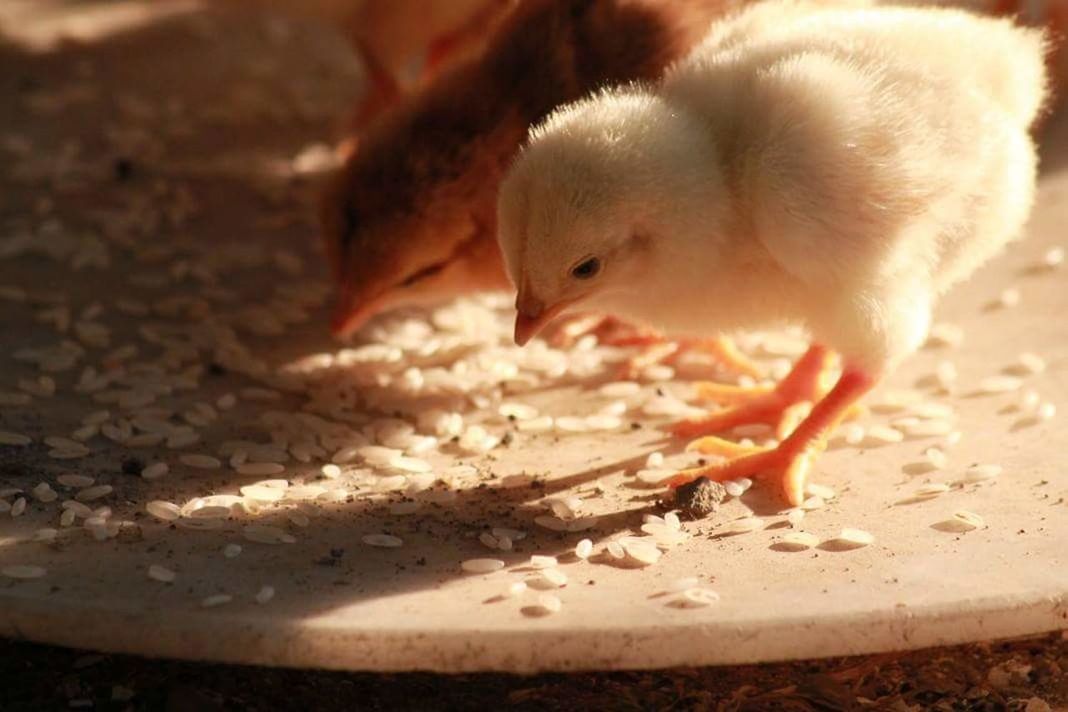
{"x": 788, "y": 463}
{"x": 778, "y": 406}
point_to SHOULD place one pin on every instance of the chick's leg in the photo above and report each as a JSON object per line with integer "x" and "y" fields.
{"x": 761, "y": 404}
{"x": 790, "y": 461}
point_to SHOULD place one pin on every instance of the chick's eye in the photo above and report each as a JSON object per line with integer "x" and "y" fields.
{"x": 586, "y": 269}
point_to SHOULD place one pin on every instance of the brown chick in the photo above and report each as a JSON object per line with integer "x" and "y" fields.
{"x": 411, "y": 217}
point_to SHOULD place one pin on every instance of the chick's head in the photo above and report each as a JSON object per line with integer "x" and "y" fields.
{"x": 592, "y": 211}
{"x": 409, "y": 219}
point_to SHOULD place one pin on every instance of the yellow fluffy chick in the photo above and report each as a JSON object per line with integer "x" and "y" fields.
{"x": 839, "y": 167}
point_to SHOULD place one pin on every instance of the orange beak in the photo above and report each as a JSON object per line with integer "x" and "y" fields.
{"x": 531, "y": 317}
{"x": 349, "y": 317}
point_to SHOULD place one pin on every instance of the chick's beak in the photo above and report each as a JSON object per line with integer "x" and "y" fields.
{"x": 532, "y": 316}
{"x": 352, "y": 311}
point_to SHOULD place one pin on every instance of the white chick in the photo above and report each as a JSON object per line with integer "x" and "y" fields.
{"x": 840, "y": 167}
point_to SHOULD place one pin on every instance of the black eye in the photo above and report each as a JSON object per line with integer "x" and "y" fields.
{"x": 586, "y": 269}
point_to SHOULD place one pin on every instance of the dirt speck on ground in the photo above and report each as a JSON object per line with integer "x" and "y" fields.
{"x": 700, "y": 498}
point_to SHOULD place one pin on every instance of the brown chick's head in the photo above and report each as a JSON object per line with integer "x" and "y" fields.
{"x": 409, "y": 219}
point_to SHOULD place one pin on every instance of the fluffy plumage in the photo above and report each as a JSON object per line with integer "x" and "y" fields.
{"x": 837, "y": 167}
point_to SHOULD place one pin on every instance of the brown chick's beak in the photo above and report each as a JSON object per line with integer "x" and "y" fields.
{"x": 348, "y": 317}
{"x": 532, "y": 318}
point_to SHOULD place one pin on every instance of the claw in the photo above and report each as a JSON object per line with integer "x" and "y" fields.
{"x": 790, "y": 461}
{"x": 789, "y": 468}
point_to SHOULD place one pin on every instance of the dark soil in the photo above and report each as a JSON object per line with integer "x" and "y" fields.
{"x": 1029, "y": 675}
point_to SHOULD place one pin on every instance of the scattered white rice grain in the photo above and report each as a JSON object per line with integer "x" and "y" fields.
{"x": 999, "y": 384}
{"x": 67, "y": 518}
{"x": 73, "y": 481}
{"x": 823, "y": 491}
{"x": 517, "y": 411}
{"x": 16, "y": 439}
{"x": 671, "y": 521}
{"x": 745, "y": 525}
{"x": 78, "y": 508}
{"x": 928, "y": 428}
{"x": 653, "y": 476}
{"x": 615, "y": 550}
{"x": 945, "y": 335}
{"x": 539, "y": 561}
{"x": 620, "y": 389}
{"x": 795, "y": 516}
{"x": 200, "y": 462}
{"x": 1053, "y": 257}
{"x": 163, "y": 510}
{"x": 658, "y": 372}
{"x": 23, "y": 571}
{"x": 516, "y": 588}
{"x": 1028, "y": 364}
{"x": 385, "y": 541}
{"x": 410, "y": 464}
{"x": 602, "y": 422}
{"x": 1009, "y": 297}
{"x": 698, "y": 598}
{"x": 553, "y": 577}
{"x": 952, "y": 438}
{"x": 90, "y": 494}
{"x": 330, "y": 471}
{"x": 488, "y": 540}
{"x": 642, "y": 552}
{"x": 936, "y": 458}
{"x": 551, "y": 523}
{"x": 263, "y": 493}
{"x": 799, "y": 541}
{"x": 161, "y": 574}
{"x": 155, "y": 471}
{"x": 853, "y": 433}
{"x": 857, "y": 537}
{"x": 550, "y": 602}
{"x": 1029, "y": 400}
{"x": 813, "y": 503}
{"x": 733, "y": 488}
{"x": 481, "y": 566}
{"x": 931, "y": 490}
{"x": 969, "y": 519}
{"x": 232, "y": 551}
{"x": 583, "y": 549}
{"x": 264, "y": 595}
{"x": 536, "y": 425}
{"x": 218, "y": 599}
{"x": 981, "y": 473}
{"x": 571, "y": 424}
{"x": 883, "y": 435}
{"x": 44, "y": 492}
{"x": 260, "y": 468}
{"x": 18, "y": 507}
{"x": 616, "y": 408}
{"x": 1046, "y": 411}
{"x": 654, "y": 460}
